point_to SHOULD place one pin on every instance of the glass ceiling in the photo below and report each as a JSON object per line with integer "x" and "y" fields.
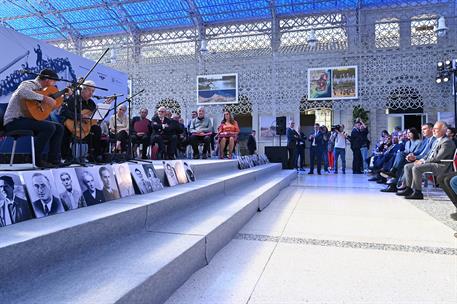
{"x": 62, "y": 19}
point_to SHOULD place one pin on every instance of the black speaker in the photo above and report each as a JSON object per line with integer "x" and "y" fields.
{"x": 281, "y": 125}
{"x": 277, "y": 155}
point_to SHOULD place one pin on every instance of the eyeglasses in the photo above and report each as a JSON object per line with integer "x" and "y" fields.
{"x": 161, "y": 111}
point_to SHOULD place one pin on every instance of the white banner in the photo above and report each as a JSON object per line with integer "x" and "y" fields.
{"x": 21, "y": 52}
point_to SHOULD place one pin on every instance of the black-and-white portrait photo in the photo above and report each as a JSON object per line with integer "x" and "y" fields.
{"x": 91, "y": 185}
{"x": 151, "y": 174}
{"x": 139, "y": 176}
{"x": 68, "y": 187}
{"x": 180, "y": 172}
{"x": 14, "y": 207}
{"x": 43, "y": 193}
{"x": 170, "y": 174}
{"x": 189, "y": 172}
{"x": 110, "y": 190}
{"x": 124, "y": 180}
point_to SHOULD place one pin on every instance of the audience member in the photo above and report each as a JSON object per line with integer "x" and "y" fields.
{"x": 163, "y": 132}
{"x": 141, "y": 132}
{"x": 201, "y": 129}
{"x": 252, "y": 144}
{"x": 227, "y": 134}
{"x": 443, "y": 148}
{"x": 119, "y": 128}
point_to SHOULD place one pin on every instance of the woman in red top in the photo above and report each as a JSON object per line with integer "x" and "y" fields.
{"x": 227, "y": 134}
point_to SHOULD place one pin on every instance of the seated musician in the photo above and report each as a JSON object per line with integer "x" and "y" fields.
{"x": 227, "y": 134}
{"x": 162, "y": 131}
{"x": 141, "y": 132}
{"x": 45, "y": 132}
{"x": 119, "y": 128}
{"x": 201, "y": 129}
{"x": 88, "y": 107}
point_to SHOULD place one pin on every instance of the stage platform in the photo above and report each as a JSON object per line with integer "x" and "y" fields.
{"x": 137, "y": 249}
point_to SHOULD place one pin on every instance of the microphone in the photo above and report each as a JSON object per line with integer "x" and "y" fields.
{"x": 106, "y": 97}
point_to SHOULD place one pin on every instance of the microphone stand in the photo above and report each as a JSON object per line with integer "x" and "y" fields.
{"x": 129, "y": 100}
{"x": 79, "y": 107}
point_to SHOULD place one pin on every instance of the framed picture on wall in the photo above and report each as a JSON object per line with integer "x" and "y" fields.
{"x": 217, "y": 89}
{"x": 333, "y": 83}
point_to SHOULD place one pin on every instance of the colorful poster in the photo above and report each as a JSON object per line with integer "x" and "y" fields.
{"x": 217, "y": 89}
{"x": 320, "y": 84}
{"x": 332, "y": 83}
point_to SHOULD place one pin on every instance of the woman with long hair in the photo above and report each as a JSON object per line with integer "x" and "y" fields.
{"x": 227, "y": 133}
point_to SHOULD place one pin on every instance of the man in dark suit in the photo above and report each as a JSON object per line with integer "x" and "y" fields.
{"x": 443, "y": 148}
{"x": 252, "y": 144}
{"x": 163, "y": 131}
{"x": 71, "y": 198}
{"x": 12, "y": 208}
{"x": 292, "y": 138}
{"x": 92, "y": 195}
{"x": 316, "y": 149}
{"x": 46, "y": 204}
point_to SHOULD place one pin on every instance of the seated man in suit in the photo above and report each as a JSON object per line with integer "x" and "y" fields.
{"x": 443, "y": 148}
{"x": 46, "y": 204}
{"x": 71, "y": 198}
{"x": 163, "y": 131}
{"x": 92, "y": 195}
{"x": 12, "y": 208}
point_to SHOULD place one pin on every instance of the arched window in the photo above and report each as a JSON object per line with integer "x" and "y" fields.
{"x": 312, "y": 112}
{"x": 405, "y": 99}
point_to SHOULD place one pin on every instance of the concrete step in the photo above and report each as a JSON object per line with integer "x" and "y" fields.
{"x": 135, "y": 250}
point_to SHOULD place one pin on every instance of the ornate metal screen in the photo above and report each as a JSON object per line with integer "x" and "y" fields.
{"x": 394, "y": 46}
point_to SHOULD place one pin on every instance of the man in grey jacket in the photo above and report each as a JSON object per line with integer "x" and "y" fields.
{"x": 201, "y": 129}
{"x": 45, "y": 132}
{"x": 443, "y": 148}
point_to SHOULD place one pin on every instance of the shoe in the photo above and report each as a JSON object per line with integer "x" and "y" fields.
{"x": 417, "y": 195}
{"x": 406, "y": 192}
{"x": 391, "y": 181}
{"x": 204, "y": 156}
{"x": 335, "y": 172}
{"x": 318, "y": 173}
{"x": 310, "y": 172}
{"x": 344, "y": 172}
{"x": 302, "y": 169}
{"x": 390, "y": 188}
{"x": 401, "y": 188}
{"x": 196, "y": 157}
{"x": 454, "y": 217}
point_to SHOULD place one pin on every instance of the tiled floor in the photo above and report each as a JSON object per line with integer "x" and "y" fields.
{"x": 335, "y": 239}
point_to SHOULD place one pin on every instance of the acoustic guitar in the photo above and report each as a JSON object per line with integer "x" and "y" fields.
{"x": 83, "y": 128}
{"x": 40, "y": 111}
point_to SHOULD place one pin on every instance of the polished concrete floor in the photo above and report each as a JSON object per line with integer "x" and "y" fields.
{"x": 335, "y": 239}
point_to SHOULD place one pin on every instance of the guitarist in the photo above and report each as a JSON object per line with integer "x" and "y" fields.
{"x": 45, "y": 132}
{"x": 68, "y": 112}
